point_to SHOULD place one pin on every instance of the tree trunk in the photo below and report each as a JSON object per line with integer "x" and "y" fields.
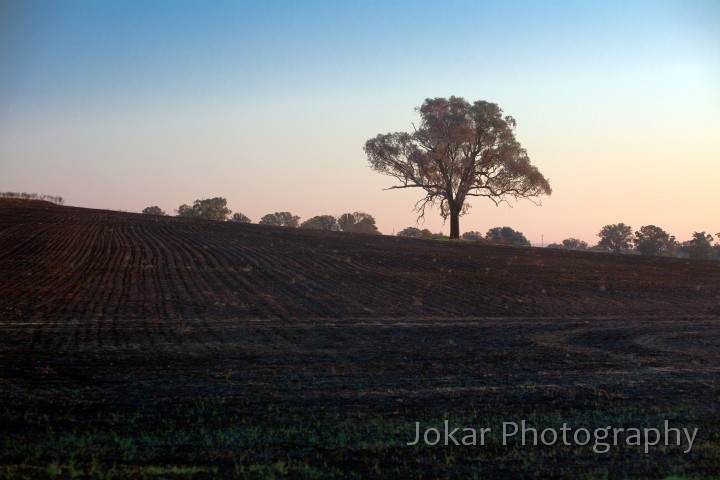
{"x": 454, "y": 223}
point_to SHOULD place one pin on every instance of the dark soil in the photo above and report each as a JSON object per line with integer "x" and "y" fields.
{"x": 145, "y": 346}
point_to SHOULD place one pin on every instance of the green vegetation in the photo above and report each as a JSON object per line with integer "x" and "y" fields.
{"x": 218, "y": 441}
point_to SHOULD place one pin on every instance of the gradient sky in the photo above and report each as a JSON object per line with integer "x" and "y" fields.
{"x": 126, "y": 104}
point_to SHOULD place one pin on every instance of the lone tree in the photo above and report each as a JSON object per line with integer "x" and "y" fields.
{"x": 208, "y": 209}
{"x": 615, "y": 237}
{"x": 280, "y": 219}
{"x": 459, "y": 150}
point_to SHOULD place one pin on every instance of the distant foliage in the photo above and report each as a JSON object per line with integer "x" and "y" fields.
{"x": 154, "y": 210}
{"x": 238, "y": 217}
{"x": 652, "y": 240}
{"x": 615, "y": 238}
{"x": 506, "y": 236}
{"x": 574, "y": 244}
{"x": 210, "y": 209}
{"x": 357, "y": 222}
{"x": 410, "y": 232}
{"x": 34, "y": 196}
{"x": 700, "y": 247}
{"x": 570, "y": 244}
{"x": 472, "y": 235}
{"x": 321, "y": 222}
{"x": 280, "y": 219}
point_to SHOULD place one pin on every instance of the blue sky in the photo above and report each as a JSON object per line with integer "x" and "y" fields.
{"x": 125, "y": 104}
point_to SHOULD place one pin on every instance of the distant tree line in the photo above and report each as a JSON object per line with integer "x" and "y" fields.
{"x": 616, "y": 238}
{"x": 34, "y": 196}
{"x": 497, "y": 235}
{"x": 216, "y": 209}
{"x": 649, "y": 240}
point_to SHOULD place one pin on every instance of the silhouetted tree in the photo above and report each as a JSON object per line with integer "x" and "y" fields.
{"x": 208, "y": 209}
{"x": 238, "y": 217}
{"x": 357, "y": 222}
{"x": 459, "y": 150}
{"x": 321, "y": 222}
{"x": 506, "y": 236}
{"x": 615, "y": 238}
{"x": 410, "y": 232}
{"x": 570, "y": 244}
{"x": 652, "y": 240}
{"x": 154, "y": 210}
{"x": 574, "y": 244}
{"x": 280, "y": 219}
{"x": 700, "y": 246}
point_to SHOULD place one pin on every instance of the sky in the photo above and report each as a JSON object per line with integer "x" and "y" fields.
{"x": 126, "y": 104}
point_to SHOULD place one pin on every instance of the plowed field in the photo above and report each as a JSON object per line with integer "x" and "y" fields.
{"x": 142, "y": 346}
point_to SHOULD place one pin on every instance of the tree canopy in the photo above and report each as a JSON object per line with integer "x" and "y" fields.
{"x": 459, "y": 150}
{"x": 574, "y": 244}
{"x": 472, "y": 235}
{"x": 652, "y": 240}
{"x": 154, "y": 210}
{"x": 280, "y": 219}
{"x": 700, "y": 246}
{"x": 506, "y": 236}
{"x": 615, "y": 238}
{"x": 238, "y": 217}
{"x": 357, "y": 222}
{"x": 410, "y": 232}
{"x": 208, "y": 209}
{"x": 321, "y": 222}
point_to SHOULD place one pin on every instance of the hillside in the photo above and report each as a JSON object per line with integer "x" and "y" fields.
{"x": 72, "y": 263}
{"x": 136, "y": 346}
